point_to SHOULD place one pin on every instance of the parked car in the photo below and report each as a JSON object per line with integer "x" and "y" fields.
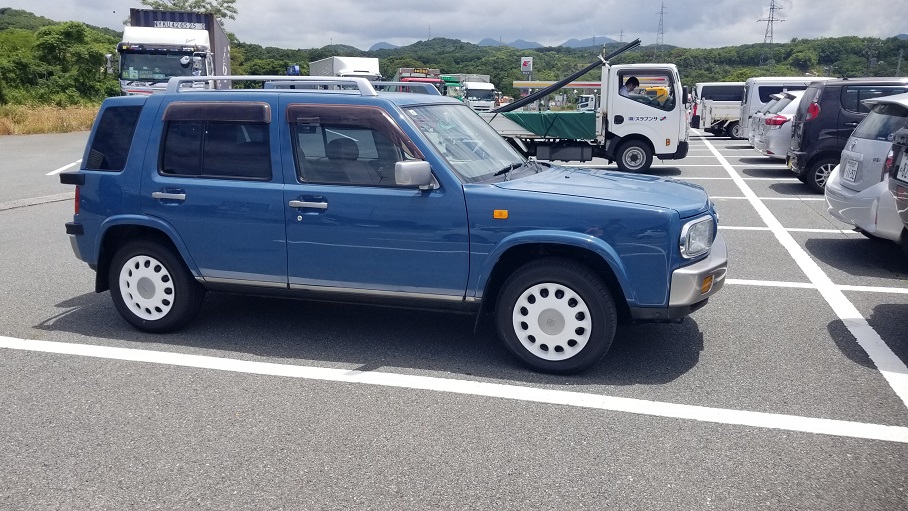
{"x": 857, "y": 191}
{"x": 898, "y": 180}
{"x": 827, "y": 114}
{"x": 395, "y": 198}
{"x": 757, "y": 116}
{"x": 774, "y": 127}
{"x": 758, "y": 91}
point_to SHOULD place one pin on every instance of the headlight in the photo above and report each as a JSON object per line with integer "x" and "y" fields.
{"x": 697, "y": 236}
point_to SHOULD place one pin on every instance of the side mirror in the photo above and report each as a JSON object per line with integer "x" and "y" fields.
{"x": 686, "y": 96}
{"x": 413, "y": 173}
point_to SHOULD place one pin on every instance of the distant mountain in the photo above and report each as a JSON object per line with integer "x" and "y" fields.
{"x": 588, "y": 42}
{"x": 383, "y": 46}
{"x": 520, "y": 44}
{"x": 902, "y": 36}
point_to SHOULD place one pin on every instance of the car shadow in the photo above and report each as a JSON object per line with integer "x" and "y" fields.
{"x": 774, "y": 172}
{"x": 792, "y": 189}
{"x": 860, "y": 256}
{"x": 890, "y": 321}
{"x": 744, "y": 146}
{"x": 664, "y": 171}
{"x": 758, "y": 160}
{"x": 372, "y": 337}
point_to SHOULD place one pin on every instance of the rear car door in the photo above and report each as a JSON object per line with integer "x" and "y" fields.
{"x": 209, "y": 174}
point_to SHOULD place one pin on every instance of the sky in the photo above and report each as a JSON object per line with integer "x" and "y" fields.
{"x": 362, "y": 23}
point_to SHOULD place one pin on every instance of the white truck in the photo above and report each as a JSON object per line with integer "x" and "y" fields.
{"x": 629, "y": 130}
{"x": 158, "y": 45}
{"x": 365, "y": 67}
{"x": 480, "y": 96}
{"x": 718, "y": 108}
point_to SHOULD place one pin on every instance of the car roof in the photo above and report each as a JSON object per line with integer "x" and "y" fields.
{"x": 867, "y": 81}
{"x": 895, "y": 99}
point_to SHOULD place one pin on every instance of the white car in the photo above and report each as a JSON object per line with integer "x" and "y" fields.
{"x": 773, "y": 132}
{"x": 755, "y": 119}
{"x": 857, "y": 191}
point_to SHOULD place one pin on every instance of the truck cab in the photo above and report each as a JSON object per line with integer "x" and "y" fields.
{"x": 480, "y": 96}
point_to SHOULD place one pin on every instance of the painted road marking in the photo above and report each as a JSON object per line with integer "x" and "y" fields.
{"x": 769, "y": 198}
{"x": 34, "y": 201}
{"x": 61, "y": 169}
{"x": 889, "y": 365}
{"x": 807, "y": 285}
{"x": 789, "y": 229}
{"x": 728, "y": 416}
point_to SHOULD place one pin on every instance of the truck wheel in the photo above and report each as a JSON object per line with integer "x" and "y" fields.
{"x": 634, "y": 156}
{"x": 152, "y": 288}
{"x": 819, "y": 172}
{"x": 733, "y": 130}
{"x": 556, "y": 316}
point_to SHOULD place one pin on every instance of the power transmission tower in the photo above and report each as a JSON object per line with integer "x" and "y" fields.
{"x": 621, "y": 36}
{"x": 767, "y": 39}
{"x": 660, "y": 33}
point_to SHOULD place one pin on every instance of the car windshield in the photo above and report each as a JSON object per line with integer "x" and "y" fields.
{"x": 156, "y": 66}
{"x": 884, "y": 120}
{"x": 474, "y": 150}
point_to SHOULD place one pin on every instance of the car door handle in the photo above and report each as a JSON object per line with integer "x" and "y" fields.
{"x": 304, "y": 204}
{"x": 168, "y": 196}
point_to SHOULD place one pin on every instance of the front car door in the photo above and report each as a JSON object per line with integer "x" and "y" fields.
{"x": 350, "y": 228}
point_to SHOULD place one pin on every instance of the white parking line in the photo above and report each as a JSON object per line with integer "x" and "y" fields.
{"x": 789, "y": 229}
{"x": 476, "y": 388}
{"x": 61, "y": 169}
{"x": 781, "y": 179}
{"x": 807, "y": 285}
{"x": 890, "y": 366}
{"x": 768, "y": 198}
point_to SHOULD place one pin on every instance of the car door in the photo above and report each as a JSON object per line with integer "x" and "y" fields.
{"x": 352, "y": 232}
{"x": 209, "y": 175}
{"x": 648, "y": 115}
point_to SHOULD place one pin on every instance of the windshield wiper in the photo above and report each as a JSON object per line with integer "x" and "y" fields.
{"x": 507, "y": 170}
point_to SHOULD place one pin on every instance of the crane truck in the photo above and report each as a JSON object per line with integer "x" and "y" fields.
{"x": 628, "y": 129}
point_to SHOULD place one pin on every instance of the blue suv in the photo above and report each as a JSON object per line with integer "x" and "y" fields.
{"x": 325, "y": 188}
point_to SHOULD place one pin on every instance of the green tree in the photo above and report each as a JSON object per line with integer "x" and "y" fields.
{"x": 222, "y": 9}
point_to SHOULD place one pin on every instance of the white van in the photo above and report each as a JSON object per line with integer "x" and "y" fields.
{"x": 758, "y": 92}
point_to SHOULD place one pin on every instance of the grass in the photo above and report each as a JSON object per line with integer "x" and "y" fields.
{"x": 30, "y": 120}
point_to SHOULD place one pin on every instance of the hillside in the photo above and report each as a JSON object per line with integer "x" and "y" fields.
{"x": 32, "y": 72}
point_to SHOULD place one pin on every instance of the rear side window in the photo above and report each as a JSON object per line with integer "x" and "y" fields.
{"x": 853, "y": 95}
{"x": 882, "y": 122}
{"x": 766, "y": 91}
{"x": 113, "y": 136}
{"x": 217, "y": 140}
{"x": 723, "y": 92}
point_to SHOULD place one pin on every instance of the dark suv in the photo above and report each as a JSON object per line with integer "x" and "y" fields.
{"x": 827, "y": 114}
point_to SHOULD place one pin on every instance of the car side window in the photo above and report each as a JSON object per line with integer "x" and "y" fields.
{"x": 852, "y": 96}
{"x": 217, "y": 140}
{"x": 113, "y": 136}
{"x": 654, "y": 90}
{"x": 347, "y": 144}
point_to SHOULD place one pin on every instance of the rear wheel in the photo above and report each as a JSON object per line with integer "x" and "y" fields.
{"x": 819, "y": 172}
{"x": 733, "y": 130}
{"x": 152, "y": 288}
{"x": 556, "y": 316}
{"x": 634, "y": 156}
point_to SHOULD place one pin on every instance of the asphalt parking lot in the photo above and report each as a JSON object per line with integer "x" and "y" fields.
{"x": 789, "y": 390}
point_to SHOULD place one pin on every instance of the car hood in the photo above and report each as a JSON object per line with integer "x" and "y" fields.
{"x": 685, "y": 198}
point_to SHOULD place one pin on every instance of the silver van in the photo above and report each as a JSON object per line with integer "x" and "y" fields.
{"x": 759, "y": 91}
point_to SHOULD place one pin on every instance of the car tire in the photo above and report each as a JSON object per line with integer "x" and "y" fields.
{"x": 904, "y": 242}
{"x": 733, "y": 131}
{"x": 556, "y": 316}
{"x": 818, "y": 173}
{"x": 634, "y": 156}
{"x": 152, "y": 288}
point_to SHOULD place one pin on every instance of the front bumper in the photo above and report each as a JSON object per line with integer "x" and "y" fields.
{"x": 691, "y": 286}
{"x": 872, "y": 210}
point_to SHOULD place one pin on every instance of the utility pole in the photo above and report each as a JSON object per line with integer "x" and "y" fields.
{"x": 898, "y": 67}
{"x": 660, "y": 33}
{"x": 621, "y": 36}
{"x": 767, "y": 39}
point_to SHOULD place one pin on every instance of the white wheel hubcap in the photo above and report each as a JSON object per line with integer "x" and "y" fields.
{"x": 146, "y": 287}
{"x": 634, "y": 158}
{"x": 552, "y": 322}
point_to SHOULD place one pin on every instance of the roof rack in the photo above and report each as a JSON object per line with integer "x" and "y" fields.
{"x": 365, "y": 88}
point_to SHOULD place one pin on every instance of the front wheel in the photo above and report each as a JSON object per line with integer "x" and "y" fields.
{"x": 556, "y": 316}
{"x": 634, "y": 156}
{"x": 152, "y": 288}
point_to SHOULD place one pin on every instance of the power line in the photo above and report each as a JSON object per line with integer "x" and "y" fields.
{"x": 767, "y": 38}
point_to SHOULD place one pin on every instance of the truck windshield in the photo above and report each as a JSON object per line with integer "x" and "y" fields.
{"x": 474, "y": 150}
{"x": 481, "y": 95}
{"x": 156, "y": 66}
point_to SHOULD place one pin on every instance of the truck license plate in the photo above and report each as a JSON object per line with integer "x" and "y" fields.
{"x": 851, "y": 170}
{"x": 902, "y": 174}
